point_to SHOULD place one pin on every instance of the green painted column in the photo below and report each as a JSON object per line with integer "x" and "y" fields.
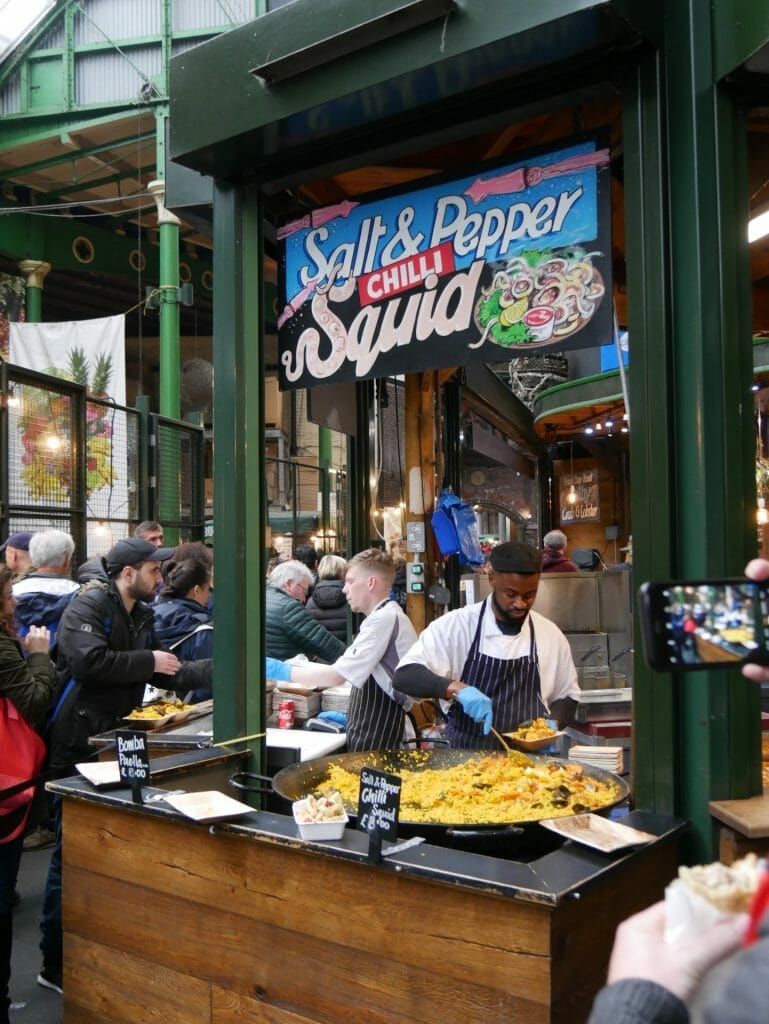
{"x": 696, "y": 735}
{"x": 170, "y": 370}
{"x": 713, "y": 443}
{"x": 239, "y": 506}
{"x": 324, "y": 459}
{"x": 655, "y": 750}
{"x": 34, "y": 272}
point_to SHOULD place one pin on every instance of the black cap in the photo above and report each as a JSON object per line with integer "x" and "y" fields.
{"x": 132, "y": 551}
{"x": 515, "y": 556}
{"x": 20, "y": 541}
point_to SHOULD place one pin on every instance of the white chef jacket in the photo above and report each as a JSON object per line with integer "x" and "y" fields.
{"x": 376, "y": 649}
{"x": 444, "y": 645}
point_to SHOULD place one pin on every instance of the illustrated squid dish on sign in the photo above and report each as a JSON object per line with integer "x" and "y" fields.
{"x": 539, "y": 298}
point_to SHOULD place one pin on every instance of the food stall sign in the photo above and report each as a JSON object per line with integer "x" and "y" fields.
{"x": 379, "y": 800}
{"x": 502, "y": 263}
{"x": 586, "y": 508}
{"x": 133, "y": 760}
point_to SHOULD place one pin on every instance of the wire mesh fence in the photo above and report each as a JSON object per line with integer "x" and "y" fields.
{"x": 78, "y": 463}
{"x": 178, "y": 477}
{"x": 44, "y": 469}
{"x": 112, "y": 472}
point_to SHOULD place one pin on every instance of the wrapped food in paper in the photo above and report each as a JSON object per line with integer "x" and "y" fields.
{"x": 704, "y": 893}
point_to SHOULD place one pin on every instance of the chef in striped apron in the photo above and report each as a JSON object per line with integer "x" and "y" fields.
{"x": 376, "y": 716}
{"x": 496, "y": 662}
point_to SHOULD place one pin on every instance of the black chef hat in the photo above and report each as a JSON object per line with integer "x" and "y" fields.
{"x": 515, "y": 556}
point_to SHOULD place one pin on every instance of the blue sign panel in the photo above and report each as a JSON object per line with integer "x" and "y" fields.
{"x": 512, "y": 261}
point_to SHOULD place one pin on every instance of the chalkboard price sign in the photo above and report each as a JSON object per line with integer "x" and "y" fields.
{"x": 379, "y": 800}
{"x": 133, "y": 760}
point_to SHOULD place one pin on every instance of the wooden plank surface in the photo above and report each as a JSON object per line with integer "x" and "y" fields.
{"x": 749, "y": 817}
{"x": 271, "y": 934}
{"x": 101, "y": 986}
{"x": 322, "y": 939}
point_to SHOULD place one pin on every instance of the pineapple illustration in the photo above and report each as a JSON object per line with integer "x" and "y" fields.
{"x": 101, "y": 376}
{"x": 78, "y": 366}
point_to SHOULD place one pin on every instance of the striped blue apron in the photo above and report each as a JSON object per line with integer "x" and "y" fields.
{"x": 512, "y": 684}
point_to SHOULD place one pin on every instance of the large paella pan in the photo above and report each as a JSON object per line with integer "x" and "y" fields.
{"x": 461, "y": 788}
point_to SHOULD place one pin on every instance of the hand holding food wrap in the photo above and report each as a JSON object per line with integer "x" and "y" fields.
{"x": 706, "y": 893}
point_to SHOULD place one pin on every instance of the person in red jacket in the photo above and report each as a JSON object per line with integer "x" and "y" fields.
{"x": 554, "y": 553}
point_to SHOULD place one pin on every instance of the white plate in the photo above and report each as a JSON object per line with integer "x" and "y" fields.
{"x": 208, "y": 806}
{"x": 599, "y": 833}
{"x": 100, "y": 773}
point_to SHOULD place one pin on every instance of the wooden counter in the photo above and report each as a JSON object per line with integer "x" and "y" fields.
{"x": 174, "y": 921}
{"x": 744, "y": 826}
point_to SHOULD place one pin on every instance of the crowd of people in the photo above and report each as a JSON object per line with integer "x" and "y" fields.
{"x": 75, "y": 657}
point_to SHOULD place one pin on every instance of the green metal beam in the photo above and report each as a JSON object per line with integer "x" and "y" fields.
{"x": 239, "y": 506}
{"x": 112, "y": 179}
{"x": 712, "y": 373}
{"x": 740, "y": 29}
{"x": 655, "y": 755}
{"x": 69, "y": 155}
{"x": 23, "y": 236}
{"x": 216, "y": 130}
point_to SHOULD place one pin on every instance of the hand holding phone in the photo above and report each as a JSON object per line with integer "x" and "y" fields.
{"x": 701, "y": 624}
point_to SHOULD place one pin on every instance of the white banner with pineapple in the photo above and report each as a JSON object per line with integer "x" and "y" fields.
{"x": 91, "y": 353}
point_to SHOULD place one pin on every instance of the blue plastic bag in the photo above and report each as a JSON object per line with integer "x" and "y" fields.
{"x": 456, "y": 529}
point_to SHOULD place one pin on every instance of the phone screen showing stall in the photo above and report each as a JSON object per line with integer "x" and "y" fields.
{"x": 700, "y": 624}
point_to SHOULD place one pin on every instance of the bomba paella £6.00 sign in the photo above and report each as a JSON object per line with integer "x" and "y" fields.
{"x": 510, "y": 261}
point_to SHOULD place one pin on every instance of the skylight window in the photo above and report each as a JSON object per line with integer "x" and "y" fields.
{"x": 17, "y": 18}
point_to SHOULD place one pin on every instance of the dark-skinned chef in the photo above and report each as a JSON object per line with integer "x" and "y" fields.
{"x": 497, "y": 663}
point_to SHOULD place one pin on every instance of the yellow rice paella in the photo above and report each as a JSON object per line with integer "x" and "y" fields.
{"x": 487, "y": 789}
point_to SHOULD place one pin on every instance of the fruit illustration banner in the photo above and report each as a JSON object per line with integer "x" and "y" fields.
{"x": 91, "y": 353}
{"x": 511, "y": 261}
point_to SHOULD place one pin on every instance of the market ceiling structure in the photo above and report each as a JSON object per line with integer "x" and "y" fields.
{"x": 76, "y": 175}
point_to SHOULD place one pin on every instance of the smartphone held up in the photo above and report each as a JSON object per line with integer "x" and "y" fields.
{"x": 702, "y": 624}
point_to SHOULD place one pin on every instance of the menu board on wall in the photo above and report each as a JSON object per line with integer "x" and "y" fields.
{"x": 511, "y": 260}
{"x": 587, "y": 506}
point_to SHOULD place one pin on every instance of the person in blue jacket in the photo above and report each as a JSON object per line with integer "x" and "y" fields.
{"x": 183, "y": 620}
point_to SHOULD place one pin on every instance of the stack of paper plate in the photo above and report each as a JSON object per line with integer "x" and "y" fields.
{"x": 608, "y": 758}
{"x": 336, "y": 698}
{"x": 305, "y": 705}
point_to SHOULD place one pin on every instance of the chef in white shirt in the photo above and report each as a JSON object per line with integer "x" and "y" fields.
{"x": 497, "y": 662}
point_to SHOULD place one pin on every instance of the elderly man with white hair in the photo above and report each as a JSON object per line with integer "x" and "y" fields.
{"x": 43, "y": 594}
{"x": 554, "y": 553}
{"x": 289, "y": 629}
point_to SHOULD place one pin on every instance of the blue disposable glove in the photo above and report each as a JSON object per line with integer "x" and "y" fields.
{"x": 277, "y": 670}
{"x": 553, "y": 748}
{"x": 338, "y": 717}
{"x": 477, "y": 705}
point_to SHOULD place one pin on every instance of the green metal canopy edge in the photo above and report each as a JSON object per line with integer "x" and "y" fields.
{"x": 225, "y": 121}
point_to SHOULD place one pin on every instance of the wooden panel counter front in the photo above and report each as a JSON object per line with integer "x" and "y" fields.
{"x": 169, "y": 920}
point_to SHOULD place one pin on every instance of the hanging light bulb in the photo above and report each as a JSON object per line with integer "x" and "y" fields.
{"x": 762, "y": 513}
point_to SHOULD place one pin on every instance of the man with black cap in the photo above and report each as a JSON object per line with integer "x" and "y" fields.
{"x": 107, "y": 654}
{"x": 17, "y": 556}
{"x": 497, "y": 662}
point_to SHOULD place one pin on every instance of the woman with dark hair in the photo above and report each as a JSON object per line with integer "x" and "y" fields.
{"x": 183, "y": 620}
{"x": 27, "y": 684}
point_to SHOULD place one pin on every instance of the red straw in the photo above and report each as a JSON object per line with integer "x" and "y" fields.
{"x": 758, "y": 907}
